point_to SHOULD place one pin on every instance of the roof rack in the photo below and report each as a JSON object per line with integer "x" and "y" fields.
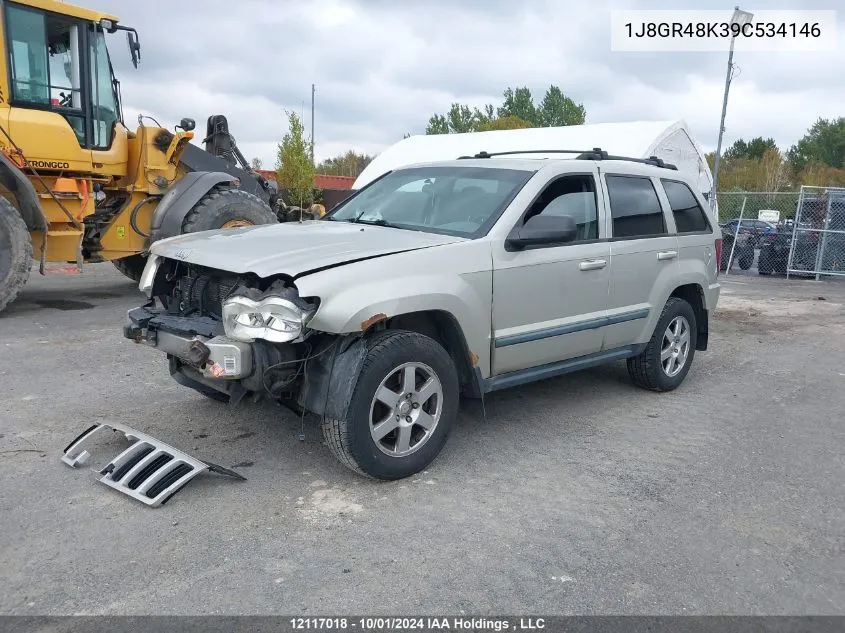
{"x": 597, "y": 153}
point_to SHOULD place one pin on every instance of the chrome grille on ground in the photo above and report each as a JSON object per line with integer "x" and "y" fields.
{"x": 148, "y": 470}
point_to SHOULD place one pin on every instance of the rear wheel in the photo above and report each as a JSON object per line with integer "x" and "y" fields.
{"x": 15, "y": 253}
{"x": 666, "y": 360}
{"x": 403, "y": 407}
{"x": 226, "y": 208}
{"x": 131, "y": 266}
{"x": 764, "y": 262}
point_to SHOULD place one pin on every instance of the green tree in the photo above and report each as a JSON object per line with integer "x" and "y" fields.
{"x": 509, "y": 122}
{"x": 755, "y": 149}
{"x": 557, "y": 110}
{"x": 349, "y": 164}
{"x": 459, "y": 119}
{"x": 438, "y": 124}
{"x": 519, "y": 103}
{"x": 294, "y": 169}
{"x": 824, "y": 143}
{"x": 517, "y": 110}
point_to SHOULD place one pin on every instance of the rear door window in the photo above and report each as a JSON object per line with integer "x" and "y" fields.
{"x": 634, "y": 207}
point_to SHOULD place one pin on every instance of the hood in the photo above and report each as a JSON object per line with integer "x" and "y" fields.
{"x": 293, "y": 248}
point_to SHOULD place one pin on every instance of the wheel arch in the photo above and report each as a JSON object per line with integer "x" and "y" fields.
{"x": 13, "y": 179}
{"x": 693, "y": 294}
{"x": 180, "y": 198}
{"x": 444, "y": 328}
{"x": 330, "y": 378}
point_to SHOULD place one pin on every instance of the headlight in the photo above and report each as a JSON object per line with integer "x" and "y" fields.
{"x": 272, "y": 319}
{"x": 148, "y": 276}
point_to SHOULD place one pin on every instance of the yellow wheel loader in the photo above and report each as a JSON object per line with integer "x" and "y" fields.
{"x": 76, "y": 185}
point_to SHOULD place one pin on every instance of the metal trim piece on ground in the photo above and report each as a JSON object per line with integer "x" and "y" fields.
{"x": 149, "y": 470}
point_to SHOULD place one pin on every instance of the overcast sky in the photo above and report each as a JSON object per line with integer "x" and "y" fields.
{"x": 382, "y": 67}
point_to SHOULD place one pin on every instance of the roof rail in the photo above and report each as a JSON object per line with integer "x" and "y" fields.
{"x": 596, "y": 153}
{"x": 484, "y": 154}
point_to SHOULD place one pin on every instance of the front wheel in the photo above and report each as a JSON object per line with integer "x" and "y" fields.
{"x": 402, "y": 410}
{"x": 225, "y": 208}
{"x": 666, "y": 360}
{"x": 15, "y": 253}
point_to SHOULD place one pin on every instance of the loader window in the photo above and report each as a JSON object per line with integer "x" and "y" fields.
{"x": 44, "y": 52}
{"x": 28, "y": 44}
{"x": 103, "y": 94}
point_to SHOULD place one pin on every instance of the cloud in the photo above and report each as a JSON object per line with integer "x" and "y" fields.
{"x": 382, "y": 68}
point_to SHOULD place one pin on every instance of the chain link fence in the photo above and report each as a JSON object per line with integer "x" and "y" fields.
{"x": 797, "y": 233}
{"x": 818, "y": 234}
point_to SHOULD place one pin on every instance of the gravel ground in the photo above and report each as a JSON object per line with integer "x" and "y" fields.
{"x": 578, "y": 495}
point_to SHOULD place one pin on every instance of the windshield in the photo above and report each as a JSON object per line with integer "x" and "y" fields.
{"x": 462, "y": 201}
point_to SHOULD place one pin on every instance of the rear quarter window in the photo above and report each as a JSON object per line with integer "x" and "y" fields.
{"x": 689, "y": 216}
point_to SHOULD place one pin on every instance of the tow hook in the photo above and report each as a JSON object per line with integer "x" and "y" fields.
{"x": 197, "y": 354}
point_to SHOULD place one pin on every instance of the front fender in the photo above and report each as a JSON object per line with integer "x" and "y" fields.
{"x": 28, "y": 204}
{"x": 180, "y": 198}
{"x": 350, "y": 305}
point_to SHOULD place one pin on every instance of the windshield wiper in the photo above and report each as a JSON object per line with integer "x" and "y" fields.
{"x": 358, "y": 219}
{"x": 375, "y": 221}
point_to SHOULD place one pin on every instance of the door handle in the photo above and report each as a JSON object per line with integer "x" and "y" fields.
{"x": 592, "y": 264}
{"x": 667, "y": 254}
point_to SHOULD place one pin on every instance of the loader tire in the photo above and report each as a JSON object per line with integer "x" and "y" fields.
{"x": 15, "y": 253}
{"x": 223, "y": 207}
{"x": 131, "y": 266}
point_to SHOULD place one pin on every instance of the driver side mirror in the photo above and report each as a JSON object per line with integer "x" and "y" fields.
{"x": 543, "y": 230}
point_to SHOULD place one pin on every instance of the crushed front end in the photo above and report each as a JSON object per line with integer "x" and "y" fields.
{"x": 225, "y": 333}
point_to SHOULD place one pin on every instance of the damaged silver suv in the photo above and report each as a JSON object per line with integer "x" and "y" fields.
{"x": 436, "y": 281}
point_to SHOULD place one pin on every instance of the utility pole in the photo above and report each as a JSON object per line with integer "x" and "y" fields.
{"x": 313, "y": 90}
{"x": 718, "y": 157}
{"x": 740, "y": 18}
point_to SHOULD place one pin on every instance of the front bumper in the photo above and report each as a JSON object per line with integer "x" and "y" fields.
{"x": 196, "y": 341}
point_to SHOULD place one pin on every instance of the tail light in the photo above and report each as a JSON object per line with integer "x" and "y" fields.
{"x": 718, "y": 256}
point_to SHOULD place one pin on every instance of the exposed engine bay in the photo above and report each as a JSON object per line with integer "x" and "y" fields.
{"x": 228, "y": 335}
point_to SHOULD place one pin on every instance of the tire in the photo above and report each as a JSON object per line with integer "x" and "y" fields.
{"x": 223, "y": 205}
{"x": 131, "y": 266}
{"x": 390, "y": 355}
{"x": 746, "y": 258}
{"x": 15, "y": 253}
{"x": 764, "y": 262}
{"x": 646, "y": 369}
{"x": 727, "y": 243}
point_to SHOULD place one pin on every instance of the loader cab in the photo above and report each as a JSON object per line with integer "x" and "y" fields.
{"x": 64, "y": 99}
